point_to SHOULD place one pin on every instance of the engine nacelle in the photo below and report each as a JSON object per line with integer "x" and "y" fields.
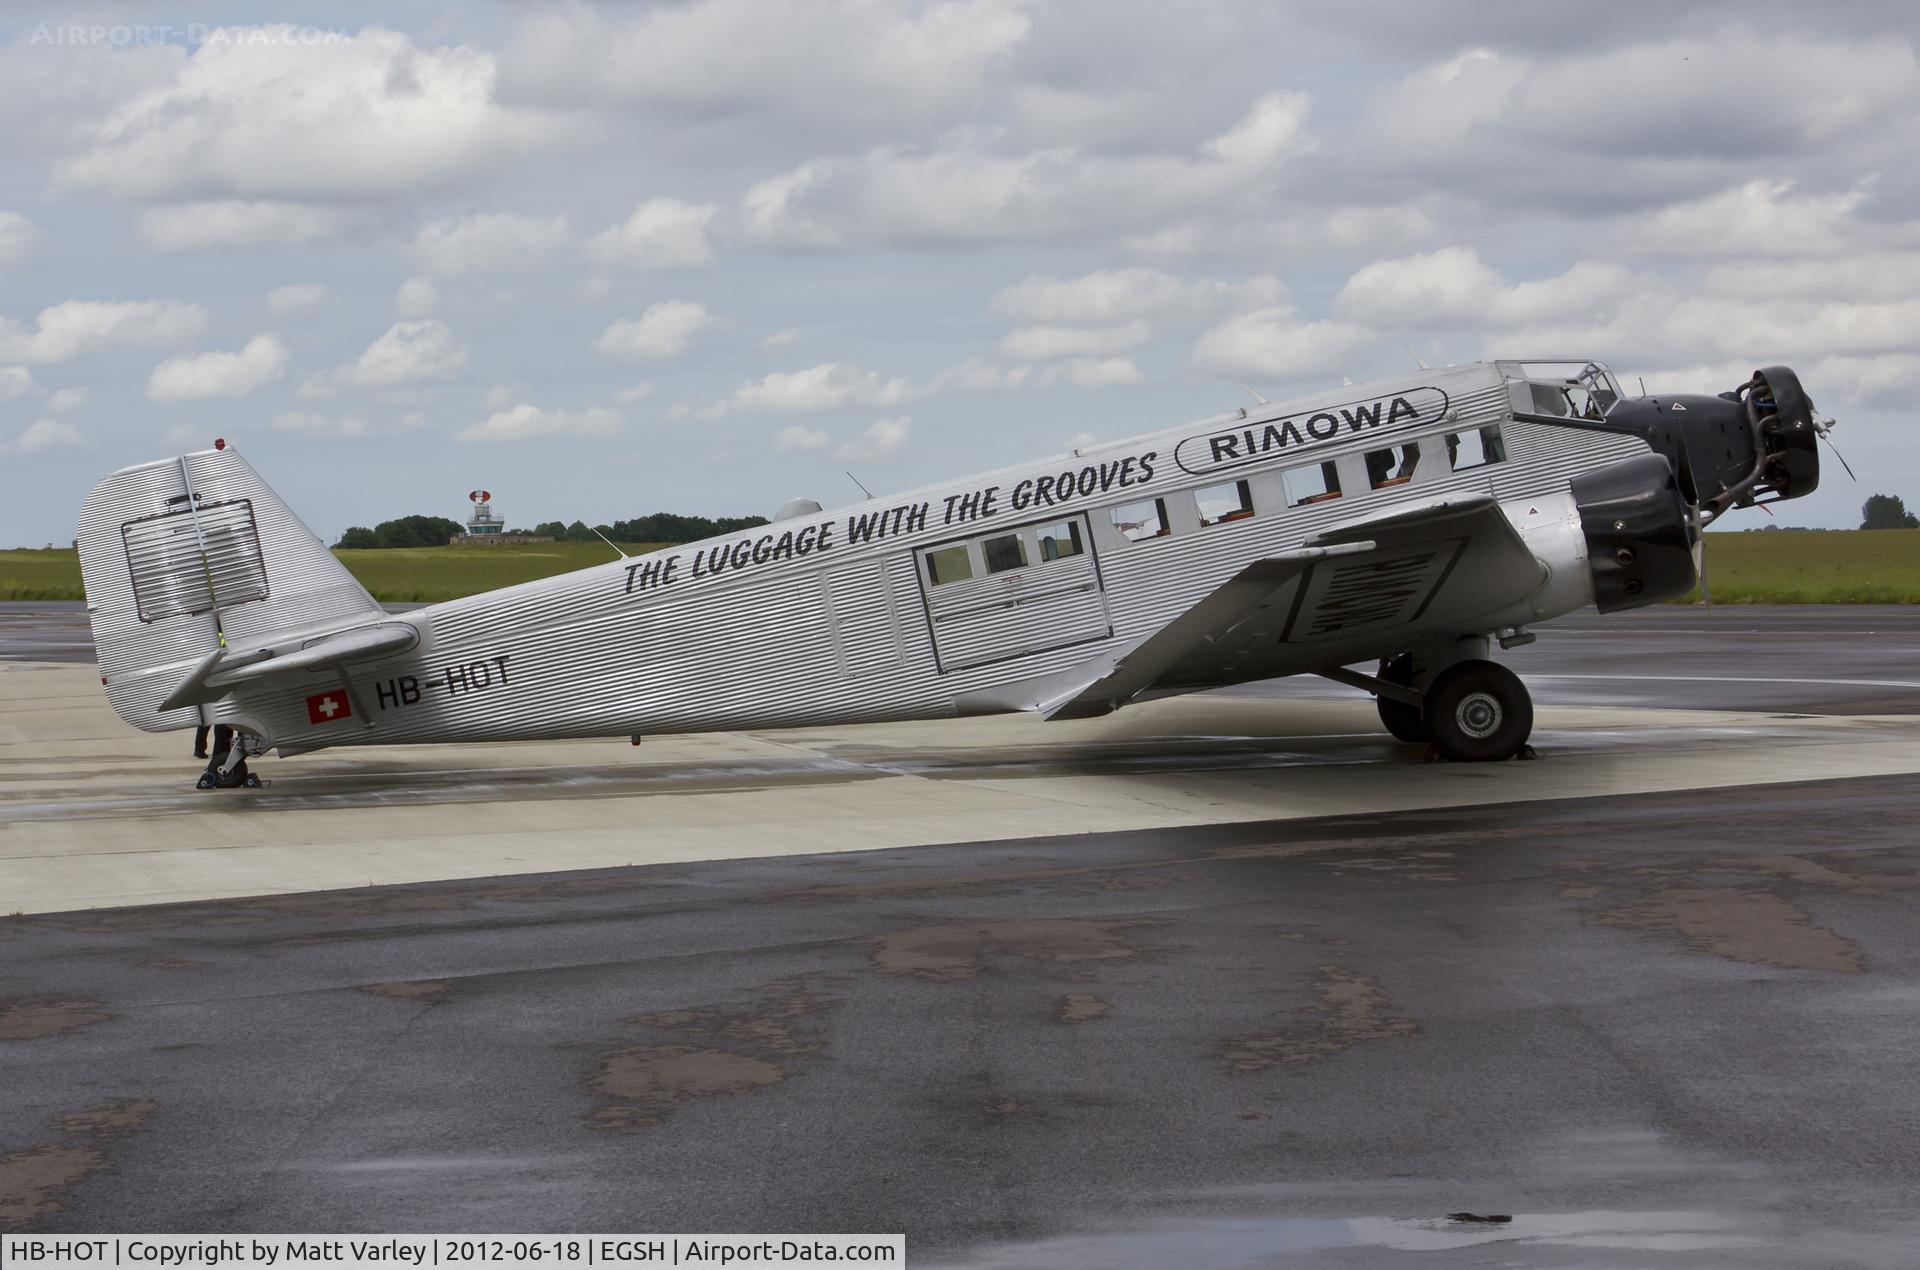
{"x": 1639, "y": 533}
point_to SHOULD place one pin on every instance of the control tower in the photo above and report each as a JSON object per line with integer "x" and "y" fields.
{"x": 482, "y": 522}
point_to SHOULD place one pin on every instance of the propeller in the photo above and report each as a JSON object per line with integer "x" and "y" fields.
{"x": 1823, "y": 428}
{"x": 1700, "y": 558}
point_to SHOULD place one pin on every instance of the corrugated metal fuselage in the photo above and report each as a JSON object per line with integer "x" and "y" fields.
{"x": 837, "y": 617}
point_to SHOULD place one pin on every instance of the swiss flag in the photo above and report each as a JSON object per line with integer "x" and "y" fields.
{"x": 327, "y": 707}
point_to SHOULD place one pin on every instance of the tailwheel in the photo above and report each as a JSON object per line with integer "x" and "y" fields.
{"x": 1477, "y": 712}
{"x": 1401, "y": 719}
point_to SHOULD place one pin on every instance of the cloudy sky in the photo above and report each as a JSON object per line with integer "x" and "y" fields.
{"x": 708, "y": 255}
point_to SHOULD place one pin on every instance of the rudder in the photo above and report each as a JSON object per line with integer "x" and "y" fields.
{"x": 184, "y": 556}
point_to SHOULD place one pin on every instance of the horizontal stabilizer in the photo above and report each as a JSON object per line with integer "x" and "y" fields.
{"x": 220, "y": 673}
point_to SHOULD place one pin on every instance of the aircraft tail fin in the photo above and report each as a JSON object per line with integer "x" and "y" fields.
{"x": 187, "y": 557}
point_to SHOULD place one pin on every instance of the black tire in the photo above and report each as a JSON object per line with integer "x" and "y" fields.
{"x": 1404, "y": 721}
{"x": 1478, "y": 712}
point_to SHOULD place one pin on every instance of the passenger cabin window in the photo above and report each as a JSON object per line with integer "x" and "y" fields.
{"x": 1475, "y": 449}
{"x": 1222, "y": 503}
{"x": 1004, "y": 553}
{"x": 1142, "y": 520}
{"x": 1057, "y": 542}
{"x": 1318, "y": 483}
{"x": 949, "y": 564}
{"x": 1393, "y": 465}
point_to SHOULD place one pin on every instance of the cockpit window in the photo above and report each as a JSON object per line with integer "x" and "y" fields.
{"x": 1570, "y": 390}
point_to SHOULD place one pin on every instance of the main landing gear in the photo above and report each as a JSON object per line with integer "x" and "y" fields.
{"x": 227, "y": 769}
{"x": 1470, "y": 710}
{"x": 1478, "y": 712}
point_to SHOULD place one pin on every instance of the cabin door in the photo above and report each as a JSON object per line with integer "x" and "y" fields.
{"x": 1013, "y": 592}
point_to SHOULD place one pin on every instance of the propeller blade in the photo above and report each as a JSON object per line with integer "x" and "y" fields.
{"x": 1840, "y": 456}
{"x": 1700, "y": 560}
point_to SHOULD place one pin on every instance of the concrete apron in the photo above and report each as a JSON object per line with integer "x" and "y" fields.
{"x": 95, "y": 814}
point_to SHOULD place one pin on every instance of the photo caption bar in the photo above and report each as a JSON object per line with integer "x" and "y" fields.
{"x": 382, "y": 1252}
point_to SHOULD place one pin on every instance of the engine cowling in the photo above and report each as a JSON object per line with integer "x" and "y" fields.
{"x": 1639, "y": 533}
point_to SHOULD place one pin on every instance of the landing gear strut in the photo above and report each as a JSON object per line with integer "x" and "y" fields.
{"x": 227, "y": 769}
{"x": 1471, "y": 711}
{"x": 1401, "y": 718}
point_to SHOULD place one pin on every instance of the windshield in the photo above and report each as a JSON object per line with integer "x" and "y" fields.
{"x": 1572, "y": 390}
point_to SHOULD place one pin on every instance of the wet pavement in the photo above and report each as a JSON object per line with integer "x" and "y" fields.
{"x": 1823, "y": 659}
{"x": 1658, "y": 1030}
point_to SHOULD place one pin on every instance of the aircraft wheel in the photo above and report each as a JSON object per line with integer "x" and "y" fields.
{"x": 1401, "y": 719}
{"x": 1478, "y": 712}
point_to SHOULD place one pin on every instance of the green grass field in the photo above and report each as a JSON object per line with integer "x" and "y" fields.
{"x": 1857, "y": 566}
{"x": 397, "y": 574}
{"x": 1877, "y": 566}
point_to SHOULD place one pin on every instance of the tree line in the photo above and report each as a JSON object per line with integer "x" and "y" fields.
{"x": 433, "y": 531}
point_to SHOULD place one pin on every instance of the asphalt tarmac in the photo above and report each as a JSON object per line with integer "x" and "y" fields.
{"x": 1663, "y": 1028}
{"x": 1661, "y": 1031}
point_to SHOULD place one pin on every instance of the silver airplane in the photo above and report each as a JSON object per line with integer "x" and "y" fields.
{"x": 1405, "y": 525}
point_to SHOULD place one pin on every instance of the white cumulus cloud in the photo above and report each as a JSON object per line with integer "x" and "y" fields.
{"x": 1116, "y": 295}
{"x": 236, "y": 223}
{"x": 1042, "y": 343}
{"x": 18, "y": 237}
{"x": 43, "y": 435}
{"x": 1278, "y": 341}
{"x": 1096, "y": 372}
{"x": 67, "y": 400}
{"x": 662, "y": 233}
{"x": 962, "y": 192}
{"x": 75, "y": 328}
{"x": 298, "y": 297}
{"x": 664, "y": 331}
{"x": 485, "y": 241}
{"x": 796, "y": 436}
{"x": 417, "y": 298}
{"x": 828, "y": 386}
{"x": 526, "y": 421}
{"x": 16, "y": 383}
{"x": 259, "y": 113}
{"x": 879, "y": 443}
{"x": 410, "y": 352}
{"x": 261, "y": 362}
{"x": 847, "y": 61}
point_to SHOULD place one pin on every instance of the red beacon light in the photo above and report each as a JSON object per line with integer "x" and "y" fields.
{"x": 219, "y": 443}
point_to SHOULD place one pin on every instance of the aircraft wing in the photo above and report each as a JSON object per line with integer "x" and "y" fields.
{"x": 220, "y": 672}
{"x": 1354, "y": 592}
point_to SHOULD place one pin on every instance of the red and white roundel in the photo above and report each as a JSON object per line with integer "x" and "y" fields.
{"x": 479, "y": 496}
